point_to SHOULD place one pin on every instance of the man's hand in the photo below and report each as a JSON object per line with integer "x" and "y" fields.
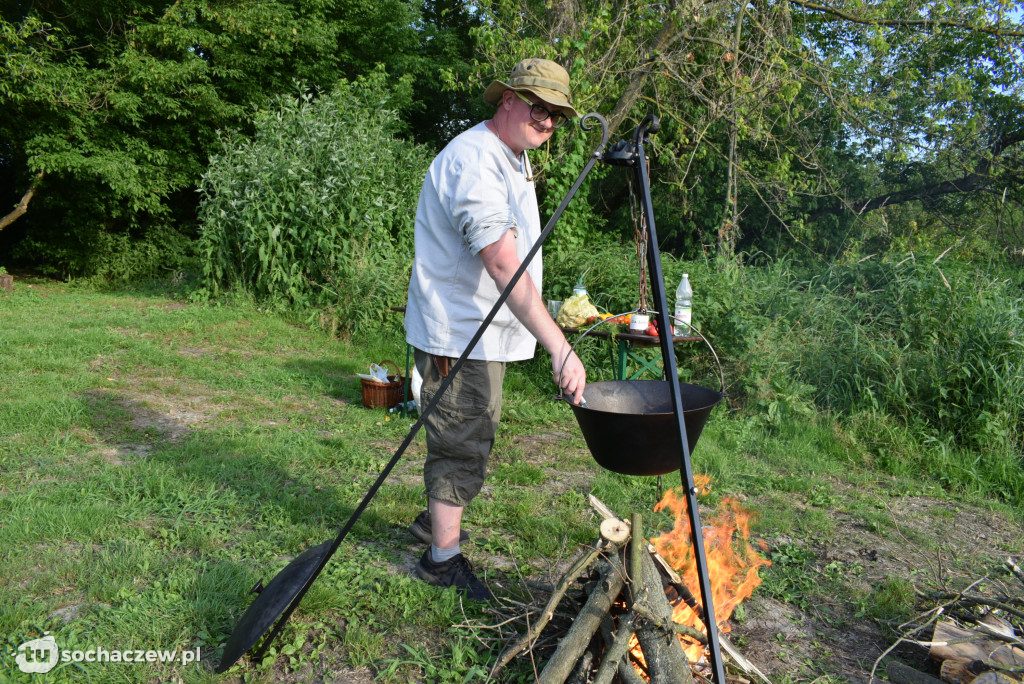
{"x": 569, "y": 373}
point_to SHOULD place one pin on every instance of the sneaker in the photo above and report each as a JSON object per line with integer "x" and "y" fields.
{"x": 454, "y": 572}
{"x": 420, "y": 529}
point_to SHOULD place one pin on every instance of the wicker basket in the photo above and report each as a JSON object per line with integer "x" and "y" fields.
{"x": 377, "y": 394}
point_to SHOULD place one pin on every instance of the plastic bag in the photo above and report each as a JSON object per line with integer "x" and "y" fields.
{"x": 379, "y": 373}
{"x": 576, "y": 311}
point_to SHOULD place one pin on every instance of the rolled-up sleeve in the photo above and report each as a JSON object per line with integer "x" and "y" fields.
{"x": 479, "y": 204}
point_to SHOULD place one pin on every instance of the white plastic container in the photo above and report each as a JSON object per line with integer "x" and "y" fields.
{"x": 638, "y": 323}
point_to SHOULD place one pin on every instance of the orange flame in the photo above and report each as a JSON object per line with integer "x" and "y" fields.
{"x": 731, "y": 560}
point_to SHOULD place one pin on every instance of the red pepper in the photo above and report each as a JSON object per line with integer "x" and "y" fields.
{"x": 652, "y": 330}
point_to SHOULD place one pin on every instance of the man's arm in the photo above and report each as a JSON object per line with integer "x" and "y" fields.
{"x": 502, "y": 262}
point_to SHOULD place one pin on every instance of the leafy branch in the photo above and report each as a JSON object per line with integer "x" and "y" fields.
{"x": 909, "y": 23}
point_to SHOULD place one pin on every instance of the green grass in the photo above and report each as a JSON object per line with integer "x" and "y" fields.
{"x": 158, "y": 459}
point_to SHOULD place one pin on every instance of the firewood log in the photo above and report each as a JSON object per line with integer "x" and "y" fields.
{"x": 993, "y": 677}
{"x": 904, "y": 674}
{"x": 576, "y": 640}
{"x": 956, "y": 672}
{"x": 950, "y": 642}
{"x": 666, "y": 661}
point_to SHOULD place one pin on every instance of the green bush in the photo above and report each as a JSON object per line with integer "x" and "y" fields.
{"x": 315, "y": 212}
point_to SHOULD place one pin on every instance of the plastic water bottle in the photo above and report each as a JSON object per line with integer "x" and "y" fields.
{"x": 579, "y": 288}
{"x": 408, "y": 406}
{"x": 684, "y": 308}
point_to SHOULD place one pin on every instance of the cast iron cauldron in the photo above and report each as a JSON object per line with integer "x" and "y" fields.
{"x": 630, "y": 427}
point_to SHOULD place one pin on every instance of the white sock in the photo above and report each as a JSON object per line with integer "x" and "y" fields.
{"x": 441, "y": 555}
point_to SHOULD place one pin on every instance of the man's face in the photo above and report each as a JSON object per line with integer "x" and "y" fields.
{"x": 525, "y": 133}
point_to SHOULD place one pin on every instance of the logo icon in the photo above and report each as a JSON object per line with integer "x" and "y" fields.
{"x": 38, "y": 655}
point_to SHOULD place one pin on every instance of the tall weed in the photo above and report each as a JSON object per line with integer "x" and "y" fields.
{"x": 315, "y": 212}
{"x": 938, "y": 350}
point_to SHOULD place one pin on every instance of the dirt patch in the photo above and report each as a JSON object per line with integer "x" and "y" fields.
{"x": 930, "y": 544}
{"x": 122, "y": 454}
{"x": 537, "y": 445}
{"x": 154, "y": 412}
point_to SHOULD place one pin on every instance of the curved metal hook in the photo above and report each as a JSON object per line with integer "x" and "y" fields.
{"x": 604, "y": 130}
{"x": 649, "y": 126}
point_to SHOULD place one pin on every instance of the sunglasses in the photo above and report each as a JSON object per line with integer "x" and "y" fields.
{"x": 540, "y": 113}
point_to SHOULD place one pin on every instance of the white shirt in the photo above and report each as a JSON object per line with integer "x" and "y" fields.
{"x": 474, "y": 191}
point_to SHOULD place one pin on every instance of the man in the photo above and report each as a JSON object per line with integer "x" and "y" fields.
{"x": 477, "y": 218}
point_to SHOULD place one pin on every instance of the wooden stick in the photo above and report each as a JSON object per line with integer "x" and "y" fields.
{"x": 636, "y": 582}
{"x": 616, "y": 650}
{"x": 669, "y": 625}
{"x": 576, "y": 640}
{"x": 582, "y": 562}
{"x": 627, "y": 673}
{"x": 1015, "y": 569}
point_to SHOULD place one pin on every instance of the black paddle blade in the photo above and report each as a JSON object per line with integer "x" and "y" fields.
{"x": 271, "y": 602}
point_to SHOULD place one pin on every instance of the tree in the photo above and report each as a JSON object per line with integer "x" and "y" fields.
{"x": 777, "y": 114}
{"x": 111, "y": 107}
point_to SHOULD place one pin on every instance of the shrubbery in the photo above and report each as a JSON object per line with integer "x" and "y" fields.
{"x": 938, "y": 353}
{"x": 315, "y": 212}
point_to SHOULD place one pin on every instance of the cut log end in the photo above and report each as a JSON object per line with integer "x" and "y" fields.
{"x": 615, "y": 531}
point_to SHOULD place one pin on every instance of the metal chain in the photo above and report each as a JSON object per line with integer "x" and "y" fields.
{"x": 640, "y": 239}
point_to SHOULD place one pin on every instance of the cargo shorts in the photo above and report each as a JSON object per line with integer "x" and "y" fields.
{"x": 460, "y": 430}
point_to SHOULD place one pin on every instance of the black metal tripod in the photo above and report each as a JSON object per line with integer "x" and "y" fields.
{"x": 631, "y": 153}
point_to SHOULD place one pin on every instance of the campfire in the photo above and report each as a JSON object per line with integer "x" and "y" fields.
{"x": 642, "y": 619}
{"x": 733, "y": 571}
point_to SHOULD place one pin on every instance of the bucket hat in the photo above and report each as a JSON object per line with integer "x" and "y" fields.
{"x": 542, "y": 77}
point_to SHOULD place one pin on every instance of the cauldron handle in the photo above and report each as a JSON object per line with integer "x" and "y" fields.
{"x": 561, "y": 395}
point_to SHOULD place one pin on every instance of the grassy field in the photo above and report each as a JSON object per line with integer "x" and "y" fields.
{"x": 157, "y": 459}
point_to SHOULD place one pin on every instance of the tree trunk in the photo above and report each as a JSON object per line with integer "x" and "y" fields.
{"x": 728, "y": 230}
{"x": 22, "y": 207}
